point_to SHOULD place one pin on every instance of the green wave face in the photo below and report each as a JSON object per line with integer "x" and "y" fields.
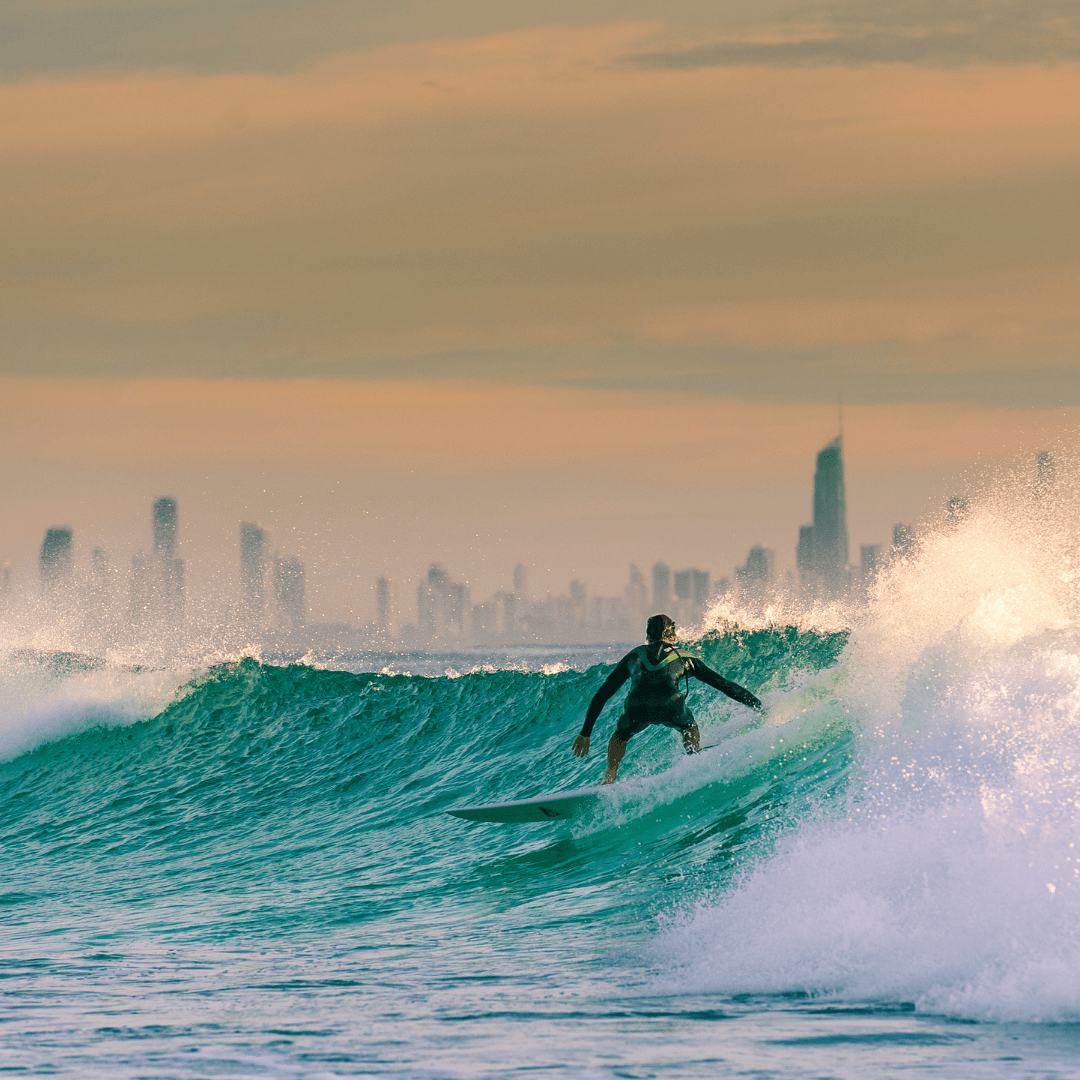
{"x": 268, "y": 799}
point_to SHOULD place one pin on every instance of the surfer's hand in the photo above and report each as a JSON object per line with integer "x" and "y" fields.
{"x": 581, "y": 746}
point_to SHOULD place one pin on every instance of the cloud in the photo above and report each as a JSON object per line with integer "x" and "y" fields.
{"x": 525, "y": 204}
{"x": 934, "y": 33}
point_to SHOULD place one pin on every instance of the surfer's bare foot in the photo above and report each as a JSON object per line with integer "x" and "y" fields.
{"x": 610, "y": 775}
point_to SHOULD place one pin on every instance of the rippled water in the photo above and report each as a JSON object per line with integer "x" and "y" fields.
{"x": 245, "y": 869}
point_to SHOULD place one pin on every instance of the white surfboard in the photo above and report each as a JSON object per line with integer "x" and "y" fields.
{"x": 558, "y": 806}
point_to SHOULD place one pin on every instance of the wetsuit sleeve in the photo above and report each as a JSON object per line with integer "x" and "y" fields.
{"x": 701, "y": 670}
{"x": 604, "y": 694}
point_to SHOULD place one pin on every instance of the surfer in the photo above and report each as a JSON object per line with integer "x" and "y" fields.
{"x": 654, "y": 670}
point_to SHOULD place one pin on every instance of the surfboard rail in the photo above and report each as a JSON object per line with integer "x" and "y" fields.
{"x": 558, "y": 806}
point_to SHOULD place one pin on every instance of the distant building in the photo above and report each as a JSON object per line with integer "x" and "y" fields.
{"x": 661, "y": 588}
{"x": 578, "y": 612}
{"x": 755, "y": 578}
{"x": 804, "y": 555}
{"x": 165, "y": 524}
{"x": 506, "y": 616}
{"x": 830, "y": 536}
{"x": 254, "y": 542}
{"x": 141, "y": 587}
{"x": 55, "y": 565}
{"x": 1045, "y": 473}
{"x": 692, "y": 586}
{"x": 100, "y": 590}
{"x": 386, "y": 606}
{"x": 903, "y": 540}
{"x": 441, "y": 605}
{"x": 636, "y": 598}
{"x": 290, "y": 600}
{"x": 822, "y": 555}
{"x": 869, "y": 562}
{"x": 169, "y": 586}
{"x": 681, "y": 583}
{"x": 521, "y": 583}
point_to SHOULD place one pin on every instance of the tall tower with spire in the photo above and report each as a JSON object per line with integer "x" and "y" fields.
{"x": 822, "y": 554}
{"x": 829, "y": 543}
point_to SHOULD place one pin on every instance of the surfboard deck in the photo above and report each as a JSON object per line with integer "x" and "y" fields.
{"x": 559, "y": 806}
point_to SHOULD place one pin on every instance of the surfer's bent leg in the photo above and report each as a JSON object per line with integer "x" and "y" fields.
{"x": 691, "y": 739}
{"x": 616, "y": 747}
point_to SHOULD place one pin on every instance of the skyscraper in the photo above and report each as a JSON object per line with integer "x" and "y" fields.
{"x": 289, "y": 593}
{"x": 55, "y": 564}
{"x": 830, "y": 537}
{"x": 903, "y": 540}
{"x": 636, "y": 598}
{"x": 253, "y": 545}
{"x": 386, "y": 605}
{"x": 169, "y": 584}
{"x": 755, "y": 578}
{"x": 165, "y": 519}
{"x": 822, "y": 554}
{"x": 804, "y": 555}
{"x": 441, "y": 605}
{"x": 521, "y": 583}
{"x": 661, "y": 587}
{"x": 692, "y": 587}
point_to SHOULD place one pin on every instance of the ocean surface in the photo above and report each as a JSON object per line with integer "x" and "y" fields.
{"x": 243, "y": 867}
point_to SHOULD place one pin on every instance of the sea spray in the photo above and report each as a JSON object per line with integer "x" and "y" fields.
{"x": 952, "y": 882}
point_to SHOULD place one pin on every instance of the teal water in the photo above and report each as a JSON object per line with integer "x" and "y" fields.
{"x": 246, "y": 869}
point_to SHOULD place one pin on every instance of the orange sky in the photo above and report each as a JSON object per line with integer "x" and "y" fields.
{"x": 534, "y": 282}
{"x": 363, "y": 479}
{"x": 537, "y": 193}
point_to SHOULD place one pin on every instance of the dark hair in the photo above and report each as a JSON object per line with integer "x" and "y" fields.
{"x": 660, "y": 628}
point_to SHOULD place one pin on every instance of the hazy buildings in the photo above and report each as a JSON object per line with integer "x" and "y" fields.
{"x": 386, "y": 606}
{"x": 636, "y": 598}
{"x": 903, "y": 540}
{"x": 821, "y": 557}
{"x": 521, "y": 584}
{"x": 755, "y": 578}
{"x": 254, "y": 543}
{"x": 661, "y": 587}
{"x": 157, "y": 580}
{"x": 55, "y": 563}
{"x": 169, "y": 586}
{"x": 804, "y": 556}
{"x": 290, "y": 601}
{"x": 870, "y": 562}
{"x": 830, "y": 536}
{"x": 441, "y": 604}
{"x": 1045, "y": 472}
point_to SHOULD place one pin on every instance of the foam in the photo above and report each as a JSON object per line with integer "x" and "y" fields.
{"x": 39, "y": 706}
{"x": 953, "y": 881}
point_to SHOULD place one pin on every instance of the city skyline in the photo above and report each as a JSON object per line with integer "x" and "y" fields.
{"x": 270, "y": 599}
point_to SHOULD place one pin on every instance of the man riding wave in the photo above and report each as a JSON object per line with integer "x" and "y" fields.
{"x": 654, "y": 670}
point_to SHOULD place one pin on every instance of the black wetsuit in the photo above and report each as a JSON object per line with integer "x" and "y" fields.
{"x": 655, "y": 696}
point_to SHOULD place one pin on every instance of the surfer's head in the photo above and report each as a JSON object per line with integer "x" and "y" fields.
{"x": 660, "y": 628}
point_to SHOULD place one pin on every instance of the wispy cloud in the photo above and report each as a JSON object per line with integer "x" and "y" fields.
{"x": 528, "y": 200}
{"x": 923, "y": 32}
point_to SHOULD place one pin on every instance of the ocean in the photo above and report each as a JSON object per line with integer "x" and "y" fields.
{"x": 242, "y": 866}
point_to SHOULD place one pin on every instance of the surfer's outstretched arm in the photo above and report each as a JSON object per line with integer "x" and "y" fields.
{"x": 738, "y": 693}
{"x": 600, "y": 699}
